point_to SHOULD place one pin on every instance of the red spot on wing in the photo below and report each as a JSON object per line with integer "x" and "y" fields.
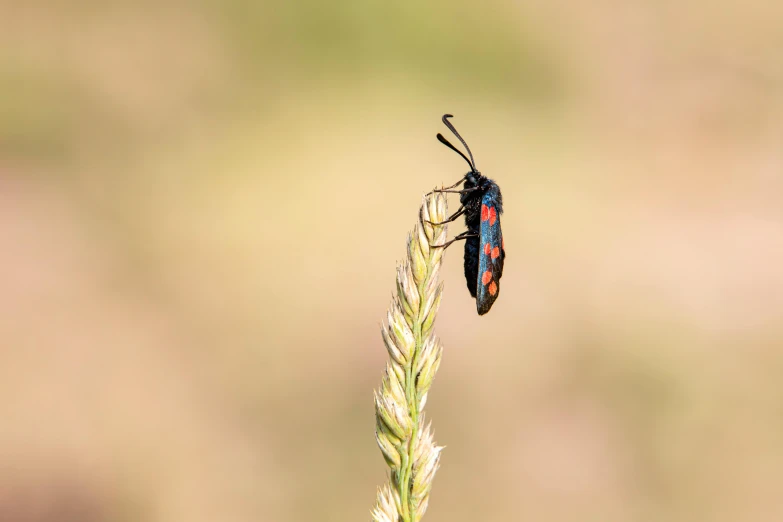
{"x": 495, "y": 252}
{"x": 486, "y": 249}
{"x": 484, "y": 212}
{"x": 486, "y": 277}
{"x": 493, "y": 288}
{"x": 493, "y": 216}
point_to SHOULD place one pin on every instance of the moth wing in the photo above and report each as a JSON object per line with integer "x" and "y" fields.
{"x": 491, "y": 256}
{"x": 472, "y": 263}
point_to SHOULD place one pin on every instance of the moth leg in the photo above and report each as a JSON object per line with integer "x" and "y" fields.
{"x": 449, "y": 187}
{"x": 450, "y": 218}
{"x": 458, "y": 237}
{"x": 466, "y": 191}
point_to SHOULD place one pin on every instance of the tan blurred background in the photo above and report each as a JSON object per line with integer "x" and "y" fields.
{"x": 202, "y": 204}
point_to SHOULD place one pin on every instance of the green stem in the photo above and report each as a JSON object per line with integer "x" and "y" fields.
{"x": 407, "y": 460}
{"x": 413, "y": 407}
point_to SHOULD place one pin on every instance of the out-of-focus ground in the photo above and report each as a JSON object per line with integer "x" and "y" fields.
{"x": 201, "y": 206}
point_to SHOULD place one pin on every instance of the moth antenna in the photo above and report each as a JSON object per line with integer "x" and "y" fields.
{"x": 455, "y": 149}
{"x": 452, "y": 129}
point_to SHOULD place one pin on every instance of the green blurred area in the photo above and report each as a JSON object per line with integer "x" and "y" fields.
{"x": 202, "y": 203}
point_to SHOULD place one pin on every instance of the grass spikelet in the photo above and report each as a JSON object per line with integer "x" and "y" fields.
{"x": 414, "y": 357}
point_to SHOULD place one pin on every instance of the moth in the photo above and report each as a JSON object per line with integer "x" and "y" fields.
{"x": 482, "y": 205}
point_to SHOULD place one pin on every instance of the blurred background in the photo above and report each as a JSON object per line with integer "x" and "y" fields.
{"x": 201, "y": 208}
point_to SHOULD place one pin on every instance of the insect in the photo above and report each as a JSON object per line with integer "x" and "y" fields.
{"x": 482, "y": 205}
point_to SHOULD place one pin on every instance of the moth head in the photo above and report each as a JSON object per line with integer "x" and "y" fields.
{"x": 472, "y": 178}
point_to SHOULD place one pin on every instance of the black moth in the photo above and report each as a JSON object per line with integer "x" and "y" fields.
{"x": 482, "y": 205}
